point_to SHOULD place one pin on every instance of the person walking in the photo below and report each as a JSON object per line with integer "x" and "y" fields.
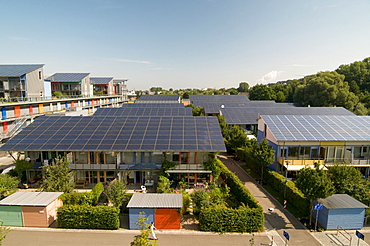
{"x": 152, "y": 228}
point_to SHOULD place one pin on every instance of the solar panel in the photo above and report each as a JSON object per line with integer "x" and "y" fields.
{"x": 318, "y": 127}
{"x": 135, "y": 111}
{"x": 250, "y": 115}
{"x": 153, "y": 105}
{"x": 114, "y": 133}
{"x": 170, "y": 98}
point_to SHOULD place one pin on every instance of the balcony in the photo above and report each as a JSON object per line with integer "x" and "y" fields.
{"x": 93, "y": 166}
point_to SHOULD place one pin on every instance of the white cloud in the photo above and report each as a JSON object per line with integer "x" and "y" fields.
{"x": 269, "y": 77}
{"x": 132, "y": 61}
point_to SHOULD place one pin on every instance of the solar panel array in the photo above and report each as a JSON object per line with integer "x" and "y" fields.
{"x": 250, "y": 115}
{"x": 318, "y": 127}
{"x": 101, "y": 80}
{"x": 67, "y": 77}
{"x": 199, "y": 100}
{"x": 143, "y": 112}
{"x": 153, "y": 105}
{"x": 17, "y": 70}
{"x": 215, "y": 107}
{"x": 159, "y": 98}
{"x": 155, "y": 133}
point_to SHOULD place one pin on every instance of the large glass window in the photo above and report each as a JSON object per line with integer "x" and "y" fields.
{"x": 293, "y": 153}
{"x": 304, "y": 153}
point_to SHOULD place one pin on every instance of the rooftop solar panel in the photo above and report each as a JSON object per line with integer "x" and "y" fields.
{"x": 250, "y": 115}
{"x": 17, "y": 70}
{"x": 67, "y": 77}
{"x": 153, "y": 105}
{"x": 318, "y": 127}
{"x": 101, "y": 80}
{"x": 135, "y": 111}
{"x": 170, "y": 98}
{"x": 109, "y": 133}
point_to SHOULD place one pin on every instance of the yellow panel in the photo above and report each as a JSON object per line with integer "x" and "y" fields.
{"x": 41, "y": 108}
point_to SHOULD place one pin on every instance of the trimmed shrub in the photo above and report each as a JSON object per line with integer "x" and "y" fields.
{"x": 97, "y": 192}
{"x": 88, "y": 217}
{"x": 223, "y": 219}
{"x": 85, "y": 198}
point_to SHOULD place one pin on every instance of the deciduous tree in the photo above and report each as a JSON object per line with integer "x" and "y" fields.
{"x": 58, "y": 177}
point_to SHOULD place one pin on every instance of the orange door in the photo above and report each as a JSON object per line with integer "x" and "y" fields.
{"x": 167, "y": 218}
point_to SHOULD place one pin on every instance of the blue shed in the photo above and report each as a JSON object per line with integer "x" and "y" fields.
{"x": 341, "y": 210}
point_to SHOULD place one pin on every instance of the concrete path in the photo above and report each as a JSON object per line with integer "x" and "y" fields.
{"x": 279, "y": 219}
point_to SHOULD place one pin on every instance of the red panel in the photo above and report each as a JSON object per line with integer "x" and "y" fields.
{"x": 17, "y": 111}
{"x": 5, "y": 127}
{"x": 31, "y": 109}
{"x": 167, "y": 218}
{"x": 72, "y": 103}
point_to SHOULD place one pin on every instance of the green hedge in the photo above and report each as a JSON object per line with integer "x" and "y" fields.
{"x": 293, "y": 195}
{"x": 244, "y": 219}
{"x": 222, "y": 219}
{"x": 85, "y": 198}
{"x": 88, "y": 217}
{"x": 97, "y": 192}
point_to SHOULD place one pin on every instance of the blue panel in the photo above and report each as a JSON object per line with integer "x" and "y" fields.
{"x": 3, "y": 113}
{"x": 134, "y": 214}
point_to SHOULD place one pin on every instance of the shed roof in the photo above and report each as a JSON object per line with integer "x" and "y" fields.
{"x": 155, "y": 201}
{"x": 30, "y": 198}
{"x": 101, "y": 80}
{"x": 17, "y": 69}
{"x": 341, "y": 201}
{"x": 67, "y": 77}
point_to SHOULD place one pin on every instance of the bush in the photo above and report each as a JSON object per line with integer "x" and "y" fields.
{"x": 164, "y": 185}
{"x": 223, "y": 219}
{"x": 185, "y": 202}
{"x": 8, "y": 185}
{"x": 88, "y": 217}
{"x": 97, "y": 192}
{"x": 85, "y": 198}
{"x": 115, "y": 192}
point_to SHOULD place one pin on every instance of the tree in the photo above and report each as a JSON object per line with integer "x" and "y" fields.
{"x": 345, "y": 178}
{"x": 263, "y": 155}
{"x": 243, "y": 87}
{"x": 8, "y": 185}
{"x": 116, "y": 192}
{"x": 261, "y": 92}
{"x": 325, "y": 89}
{"x": 359, "y": 72}
{"x": 143, "y": 238}
{"x": 197, "y": 111}
{"x": 314, "y": 184}
{"x": 164, "y": 185}
{"x": 20, "y": 167}
{"x": 4, "y": 230}
{"x": 236, "y": 138}
{"x": 58, "y": 177}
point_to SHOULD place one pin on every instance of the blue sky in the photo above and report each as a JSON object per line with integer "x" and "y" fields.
{"x": 188, "y": 43}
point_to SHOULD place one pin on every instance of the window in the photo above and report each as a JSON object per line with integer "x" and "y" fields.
{"x": 40, "y": 75}
{"x": 293, "y": 152}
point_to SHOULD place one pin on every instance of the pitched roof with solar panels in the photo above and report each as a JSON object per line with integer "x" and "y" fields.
{"x": 153, "y": 105}
{"x": 128, "y": 134}
{"x": 318, "y": 127}
{"x": 67, "y": 77}
{"x": 17, "y": 70}
{"x": 169, "y": 98}
{"x": 250, "y": 115}
{"x": 101, "y": 80}
{"x": 143, "y": 111}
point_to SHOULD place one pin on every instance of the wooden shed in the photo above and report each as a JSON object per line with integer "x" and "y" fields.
{"x": 30, "y": 209}
{"x": 162, "y": 209}
{"x": 341, "y": 210}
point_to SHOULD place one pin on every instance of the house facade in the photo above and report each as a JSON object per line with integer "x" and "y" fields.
{"x": 103, "y": 85}
{"x": 71, "y": 84}
{"x": 302, "y": 140}
{"x": 22, "y": 81}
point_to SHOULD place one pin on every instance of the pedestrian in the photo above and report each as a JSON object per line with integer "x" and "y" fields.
{"x": 152, "y": 228}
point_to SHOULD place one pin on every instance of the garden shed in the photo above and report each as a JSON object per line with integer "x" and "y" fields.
{"x": 162, "y": 209}
{"x": 30, "y": 209}
{"x": 341, "y": 210}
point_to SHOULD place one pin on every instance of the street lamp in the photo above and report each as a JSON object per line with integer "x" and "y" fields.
{"x": 286, "y": 176}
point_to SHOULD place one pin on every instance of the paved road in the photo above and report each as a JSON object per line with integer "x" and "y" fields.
{"x": 280, "y": 219}
{"x": 62, "y": 237}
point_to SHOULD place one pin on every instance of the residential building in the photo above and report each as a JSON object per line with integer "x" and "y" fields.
{"x": 72, "y": 84}
{"x": 102, "y": 148}
{"x": 120, "y": 88}
{"x": 302, "y": 140}
{"x": 103, "y": 85}
{"x": 24, "y": 81}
